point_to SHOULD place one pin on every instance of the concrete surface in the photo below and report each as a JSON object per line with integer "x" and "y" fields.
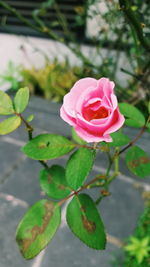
{"x": 19, "y": 188}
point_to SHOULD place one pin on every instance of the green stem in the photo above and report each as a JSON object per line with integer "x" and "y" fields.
{"x": 30, "y": 136}
{"x": 136, "y": 45}
{"x": 130, "y": 73}
{"x": 28, "y": 126}
{"x": 115, "y": 160}
{"x": 99, "y": 199}
{"x": 135, "y": 139}
{"x": 125, "y": 5}
{"x": 96, "y": 178}
{"x": 116, "y": 171}
{"x": 105, "y": 192}
{"x": 109, "y": 160}
{"x": 98, "y": 184}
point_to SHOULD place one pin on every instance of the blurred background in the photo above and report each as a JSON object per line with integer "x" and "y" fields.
{"x": 48, "y": 46}
{"x": 71, "y": 40}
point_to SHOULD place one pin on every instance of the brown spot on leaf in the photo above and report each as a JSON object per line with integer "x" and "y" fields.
{"x": 88, "y": 225}
{"x": 49, "y": 179}
{"x": 42, "y": 145}
{"x": 61, "y": 187}
{"x": 37, "y": 230}
{"x": 142, "y": 160}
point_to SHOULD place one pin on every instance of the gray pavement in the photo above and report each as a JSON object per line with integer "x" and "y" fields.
{"x": 19, "y": 188}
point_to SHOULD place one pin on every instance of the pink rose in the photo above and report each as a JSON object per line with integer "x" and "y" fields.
{"x": 91, "y": 107}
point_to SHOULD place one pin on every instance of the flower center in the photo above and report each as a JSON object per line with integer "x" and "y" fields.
{"x": 91, "y": 113}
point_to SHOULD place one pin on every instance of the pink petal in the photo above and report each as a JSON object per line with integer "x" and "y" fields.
{"x": 66, "y": 117}
{"x": 90, "y": 138}
{"x": 116, "y": 124}
{"x": 71, "y": 99}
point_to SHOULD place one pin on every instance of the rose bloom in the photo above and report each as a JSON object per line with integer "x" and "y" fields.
{"x": 91, "y": 107}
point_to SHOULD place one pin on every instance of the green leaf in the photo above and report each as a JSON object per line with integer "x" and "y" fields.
{"x": 137, "y": 161}
{"x": 47, "y": 146}
{"x": 85, "y": 222}
{"x": 21, "y": 99}
{"x": 30, "y": 118}
{"x": 6, "y": 105}
{"x": 76, "y": 138}
{"x": 78, "y": 167}
{"x": 37, "y": 227}
{"x": 53, "y": 182}
{"x": 138, "y": 248}
{"x": 9, "y": 125}
{"x": 119, "y": 139}
{"x": 134, "y": 117}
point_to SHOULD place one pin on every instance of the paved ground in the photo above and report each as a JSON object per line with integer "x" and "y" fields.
{"x": 19, "y": 188}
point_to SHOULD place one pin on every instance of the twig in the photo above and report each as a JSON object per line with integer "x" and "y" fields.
{"x": 28, "y": 126}
{"x": 135, "y": 139}
{"x": 125, "y": 5}
{"x": 130, "y": 73}
{"x": 81, "y": 189}
{"x": 50, "y": 33}
{"x": 30, "y": 131}
{"x": 19, "y": 16}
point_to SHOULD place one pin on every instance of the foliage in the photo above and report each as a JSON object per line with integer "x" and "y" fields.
{"x": 137, "y": 247}
{"x": 133, "y": 116}
{"x": 53, "y": 81}
{"x": 126, "y": 29}
{"x": 11, "y": 76}
{"x": 137, "y": 250}
{"x": 42, "y": 220}
{"x": 38, "y": 227}
{"x": 138, "y": 161}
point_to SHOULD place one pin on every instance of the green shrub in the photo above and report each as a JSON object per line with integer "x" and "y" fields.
{"x": 137, "y": 251}
{"x": 54, "y": 80}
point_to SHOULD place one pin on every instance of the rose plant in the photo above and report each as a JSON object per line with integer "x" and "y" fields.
{"x": 92, "y": 109}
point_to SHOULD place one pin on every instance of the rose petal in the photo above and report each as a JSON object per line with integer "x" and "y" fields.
{"x": 101, "y": 125}
{"x": 106, "y": 87}
{"x": 116, "y": 124}
{"x": 90, "y": 138}
{"x": 114, "y": 101}
{"x": 66, "y": 117}
{"x": 71, "y": 99}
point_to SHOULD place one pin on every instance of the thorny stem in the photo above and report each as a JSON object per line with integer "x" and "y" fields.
{"x": 125, "y": 5}
{"x": 130, "y": 73}
{"x": 105, "y": 193}
{"x": 134, "y": 140}
{"x": 115, "y": 160}
{"x": 92, "y": 183}
{"x": 28, "y": 126}
{"x": 98, "y": 177}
